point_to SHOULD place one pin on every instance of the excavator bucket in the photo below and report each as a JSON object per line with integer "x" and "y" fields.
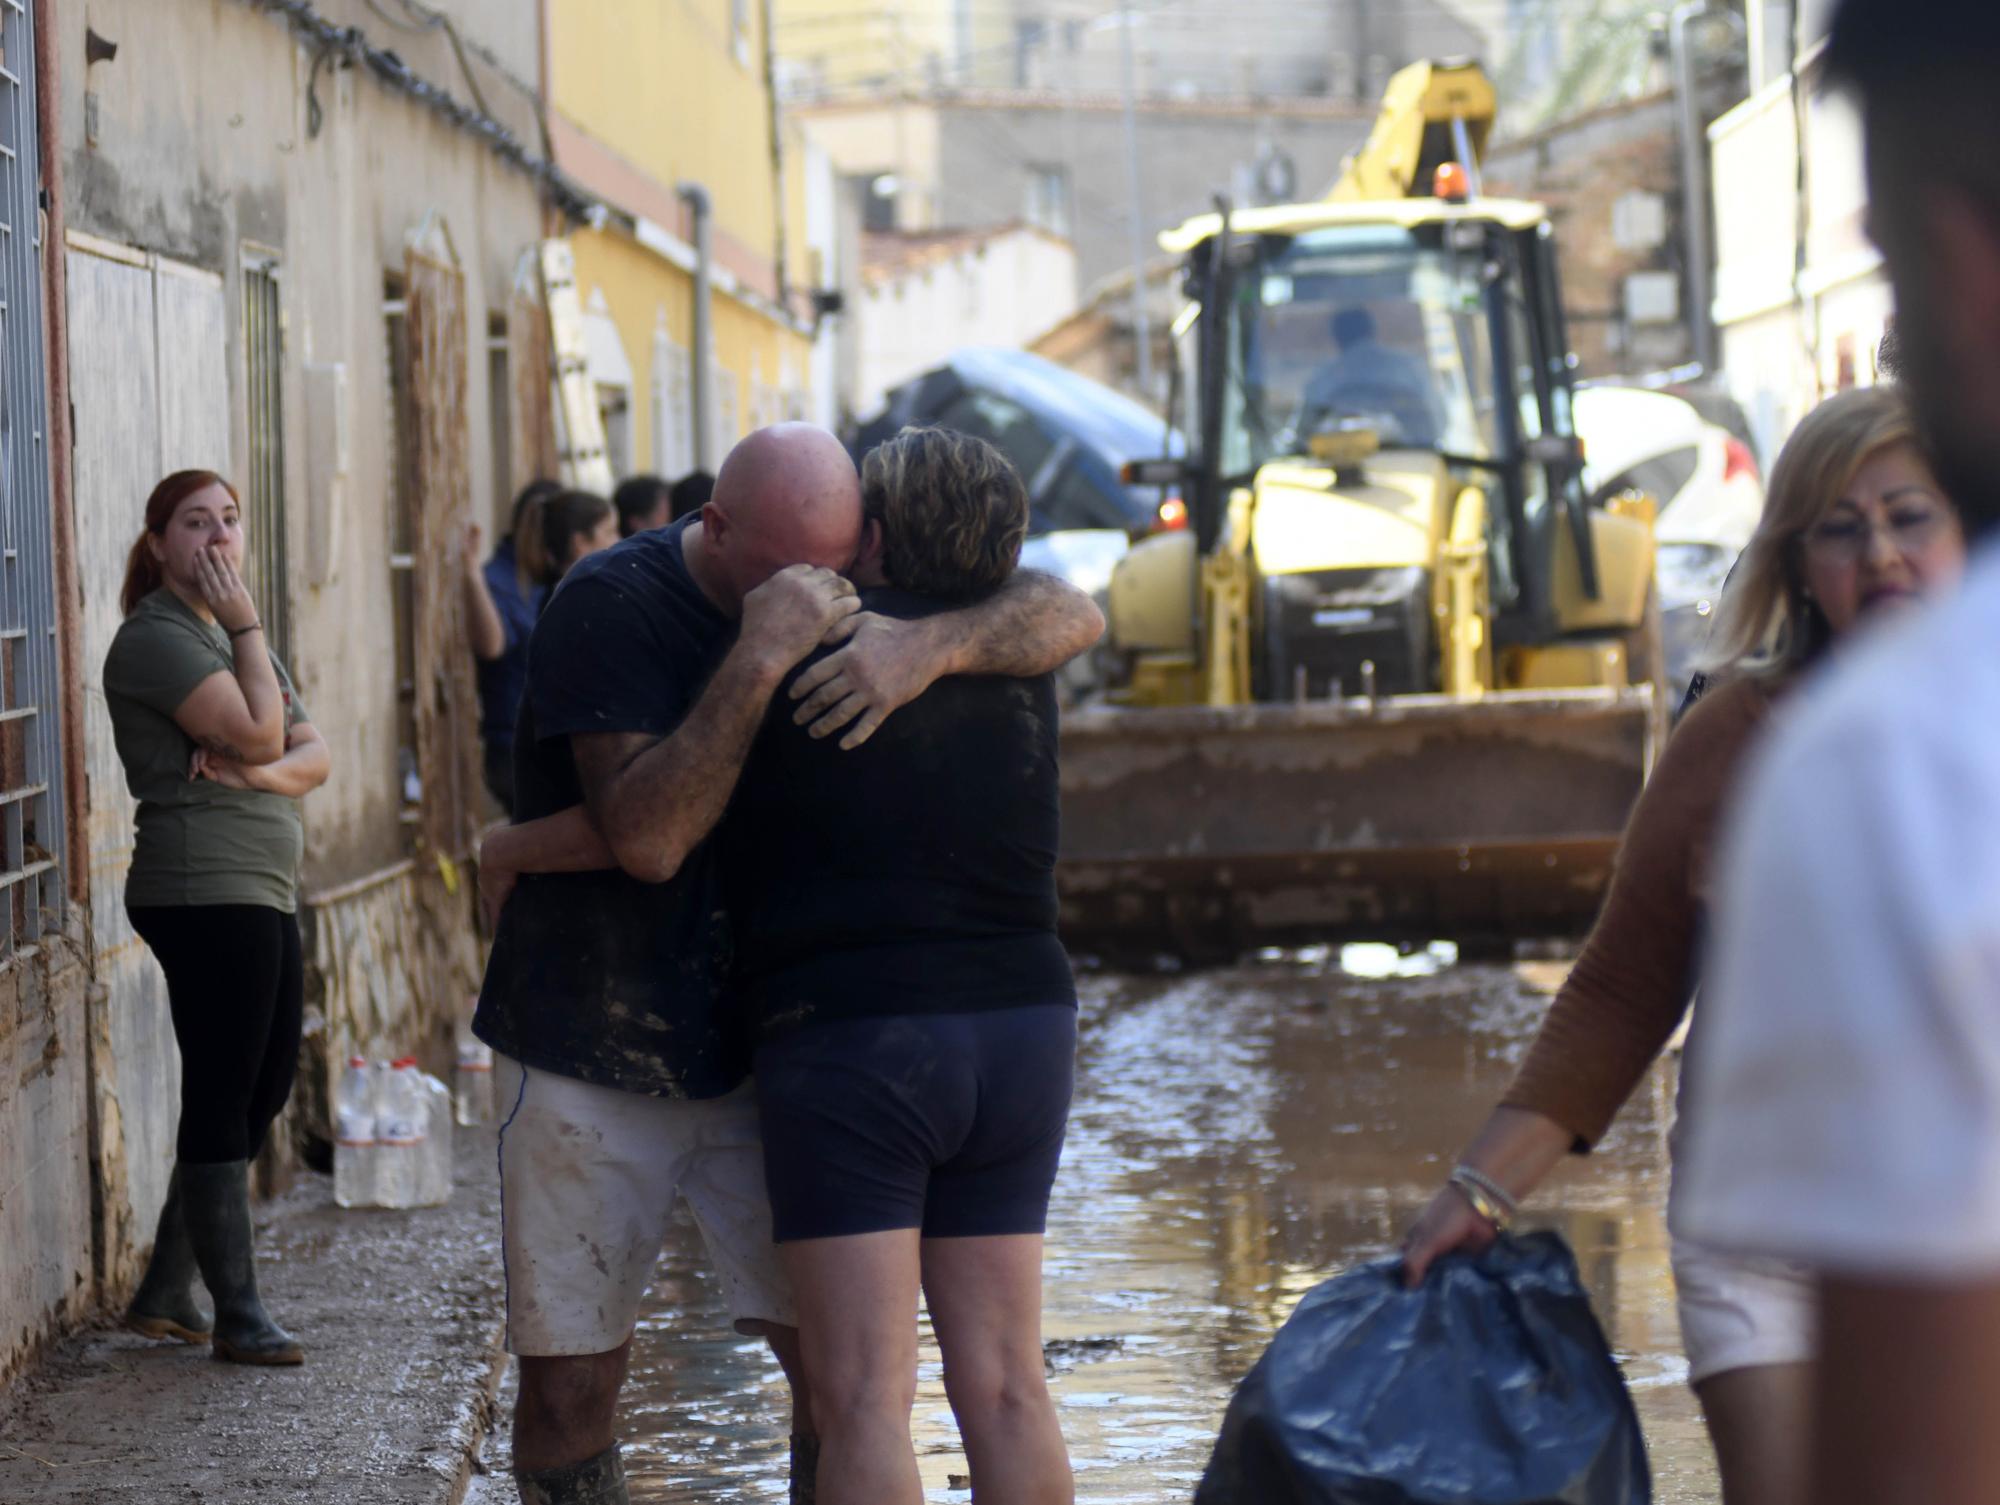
{"x": 1205, "y": 832}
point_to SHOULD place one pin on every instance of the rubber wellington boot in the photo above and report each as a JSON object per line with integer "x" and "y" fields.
{"x": 595, "y": 1481}
{"x": 215, "y": 1205}
{"x": 165, "y": 1305}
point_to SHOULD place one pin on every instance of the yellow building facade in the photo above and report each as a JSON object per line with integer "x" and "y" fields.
{"x": 841, "y": 48}
{"x": 652, "y": 107}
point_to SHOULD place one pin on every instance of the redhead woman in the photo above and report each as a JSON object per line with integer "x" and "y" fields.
{"x": 218, "y": 752}
{"x": 1854, "y": 530}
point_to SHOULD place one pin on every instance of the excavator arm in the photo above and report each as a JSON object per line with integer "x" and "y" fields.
{"x": 1432, "y": 113}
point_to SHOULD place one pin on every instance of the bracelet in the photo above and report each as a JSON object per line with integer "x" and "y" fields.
{"x": 1491, "y": 1187}
{"x": 1481, "y": 1193}
{"x": 251, "y": 627}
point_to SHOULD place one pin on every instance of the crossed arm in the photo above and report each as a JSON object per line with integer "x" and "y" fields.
{"x": 649, "y": 801}
{"x": 303, "y": 767}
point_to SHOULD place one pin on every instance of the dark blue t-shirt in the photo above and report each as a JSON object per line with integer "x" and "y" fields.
{"x": 597, "y": 975}
{"x": 502, "y": 680}
{"x": 913, "y": 875}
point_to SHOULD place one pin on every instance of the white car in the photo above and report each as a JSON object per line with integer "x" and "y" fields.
{"x": 1707, "y": 484}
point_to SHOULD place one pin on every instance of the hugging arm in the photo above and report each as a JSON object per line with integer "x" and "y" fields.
{"x": 649, "y": 800}
{"x": 1032, "y": 625}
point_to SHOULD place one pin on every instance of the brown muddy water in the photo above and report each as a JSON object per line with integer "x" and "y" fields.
{"x": 1237, "y": 1137}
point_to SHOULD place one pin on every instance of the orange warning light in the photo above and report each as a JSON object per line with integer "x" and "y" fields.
{"x": 1452, "y": 184}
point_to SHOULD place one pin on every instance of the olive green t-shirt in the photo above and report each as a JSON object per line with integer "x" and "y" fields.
{"x": 199, "y": 842}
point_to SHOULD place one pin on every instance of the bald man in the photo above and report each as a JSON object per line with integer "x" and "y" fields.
{"x": 623, "y": 1080}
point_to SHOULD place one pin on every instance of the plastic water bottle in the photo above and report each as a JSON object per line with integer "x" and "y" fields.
{"x": 355, "y": 1152}
{"x": 434, "y": 1189}
{"x": 473, "y": 1077}
{"x": 399, "y": 1132}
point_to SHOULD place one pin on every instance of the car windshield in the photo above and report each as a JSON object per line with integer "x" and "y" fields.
{"x": 1358, "y": 326}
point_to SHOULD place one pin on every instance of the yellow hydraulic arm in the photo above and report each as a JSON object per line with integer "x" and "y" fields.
{"x": 1432, "y": 113}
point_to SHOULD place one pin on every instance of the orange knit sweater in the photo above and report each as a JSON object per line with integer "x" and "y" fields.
{"x": 1631, "y": 984}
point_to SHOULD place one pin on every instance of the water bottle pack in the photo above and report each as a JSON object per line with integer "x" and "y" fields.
{"x": 392, "y": 1136}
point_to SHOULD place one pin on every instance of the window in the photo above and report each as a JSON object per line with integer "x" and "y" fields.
{"x": 1006, "y": 425}
{"x": 728, "y": 418}
{"x": 402, "y": 492}
{"x": 673, "y": 414}
{"x": 1074, "y": 501}
{"x": 1048, "y": 199}
{"x": 31, "y": 765}
{"x": 264, "y": 482}
{"x": 877, "y": 192}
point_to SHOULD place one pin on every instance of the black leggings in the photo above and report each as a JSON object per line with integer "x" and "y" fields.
{"x": 236, "y": 985}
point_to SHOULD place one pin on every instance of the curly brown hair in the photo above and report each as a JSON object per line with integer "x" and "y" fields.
{"x": 953, "y": 512}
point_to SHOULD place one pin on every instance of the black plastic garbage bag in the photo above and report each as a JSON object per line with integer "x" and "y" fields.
{"x": 1490, "y": 1385}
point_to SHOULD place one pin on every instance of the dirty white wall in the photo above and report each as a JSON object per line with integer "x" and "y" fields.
{"x": 212, "y": 136}
{"x": 1003, "y": 290}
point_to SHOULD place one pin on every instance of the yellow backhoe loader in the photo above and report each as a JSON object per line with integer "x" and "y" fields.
{"x": 1399, "y": 678}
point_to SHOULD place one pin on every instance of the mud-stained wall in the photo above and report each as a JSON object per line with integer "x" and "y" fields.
{"x": 214, "y": 139}
{"x": 46, "y": 1275}
{"x": 390, "y": 962}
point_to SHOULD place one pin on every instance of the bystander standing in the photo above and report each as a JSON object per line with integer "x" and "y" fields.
{"x": 1846, "y": 1113}
{"x": 642, "y": 503}
{"x": 503, "y": 596}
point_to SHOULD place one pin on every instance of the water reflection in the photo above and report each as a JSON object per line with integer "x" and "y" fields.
{"x": 1237, "y": 1136}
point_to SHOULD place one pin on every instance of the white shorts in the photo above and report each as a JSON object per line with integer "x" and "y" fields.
{"x": 588, "y": 1178}
{"x": 1741, "y": 1312}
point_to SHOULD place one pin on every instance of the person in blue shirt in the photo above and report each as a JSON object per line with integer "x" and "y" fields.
{"x": 502, "y": 599}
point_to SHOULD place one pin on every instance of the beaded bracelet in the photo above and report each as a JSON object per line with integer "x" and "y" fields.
{"x": 247, "y": 627}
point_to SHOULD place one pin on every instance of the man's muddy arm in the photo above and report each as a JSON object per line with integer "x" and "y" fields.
{"x": 1033, "y": 625}
{"x": 654, "y": 800}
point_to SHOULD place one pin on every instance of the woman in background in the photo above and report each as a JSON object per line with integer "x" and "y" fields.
{"x": 218, "y": 751}
{"x": 503, "y": 597}
{"x": 1855, "y": 529}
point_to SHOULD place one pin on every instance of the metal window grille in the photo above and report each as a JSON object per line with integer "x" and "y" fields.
{"x": 31, "y": 832}
{"x": 264, "y": 494}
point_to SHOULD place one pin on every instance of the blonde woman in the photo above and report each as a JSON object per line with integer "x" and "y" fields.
{"x": 1854, "y": 529}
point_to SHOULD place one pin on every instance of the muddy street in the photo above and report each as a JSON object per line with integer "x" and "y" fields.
{"x": 1237, "y": 1136}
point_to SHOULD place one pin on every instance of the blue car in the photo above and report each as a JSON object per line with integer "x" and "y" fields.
{"x": 1066, "y": 434}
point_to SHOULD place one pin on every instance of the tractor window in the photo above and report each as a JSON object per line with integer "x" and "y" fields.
{"x": 1357, "y": 326}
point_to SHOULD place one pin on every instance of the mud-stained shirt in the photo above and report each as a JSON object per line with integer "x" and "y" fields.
{"x": 914, "y": 874}
{"x": 598, "y": 976}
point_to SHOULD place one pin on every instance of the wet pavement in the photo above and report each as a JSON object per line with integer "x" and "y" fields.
{"x": 399, "y": 1313}
{"x": 1237, "y": 1136}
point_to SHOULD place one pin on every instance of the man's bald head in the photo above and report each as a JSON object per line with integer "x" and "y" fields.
{"x": 787, "y": 494}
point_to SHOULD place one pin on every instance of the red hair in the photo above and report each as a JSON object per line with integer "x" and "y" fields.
{"x": 143, "y": 575}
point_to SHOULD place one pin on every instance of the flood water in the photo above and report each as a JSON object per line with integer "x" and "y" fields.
{"x": 1237, "y": 1136}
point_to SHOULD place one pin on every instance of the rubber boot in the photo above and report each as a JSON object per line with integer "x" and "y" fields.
{"x": 164, "y": 1305}
{"x": 805, "y": 1468}
{"x": 215, "y": 1205}
{"x": 595, "y": 1481}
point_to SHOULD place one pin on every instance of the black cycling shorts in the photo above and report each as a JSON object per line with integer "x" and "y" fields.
{"x": 951, "y": 1123}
